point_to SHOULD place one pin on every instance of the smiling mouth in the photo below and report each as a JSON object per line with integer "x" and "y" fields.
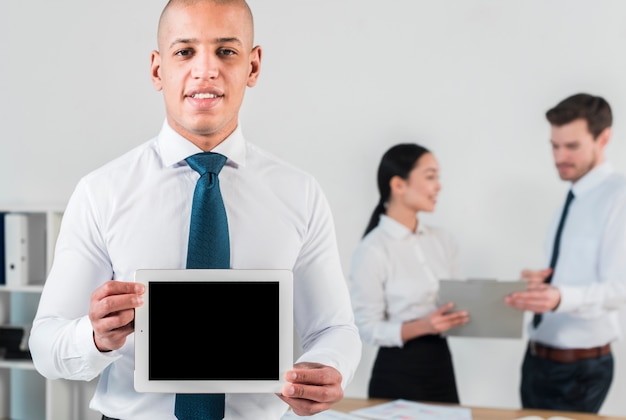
{"x": 204, "y": 96}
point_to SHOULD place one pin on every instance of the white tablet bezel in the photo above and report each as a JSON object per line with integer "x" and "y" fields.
{"x": 284, "y": 278}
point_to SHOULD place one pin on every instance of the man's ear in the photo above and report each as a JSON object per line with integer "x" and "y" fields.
{"x": 255, "y": 66}
{"x": 604, "y": 137}
{"x": 155, "y": 70}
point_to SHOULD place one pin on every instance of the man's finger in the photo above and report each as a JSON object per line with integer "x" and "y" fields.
{"x": 315, "y": 376}
{"x": 114, "y": 287}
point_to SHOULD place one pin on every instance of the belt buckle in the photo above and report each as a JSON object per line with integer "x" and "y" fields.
{"x": 533, "y": 348}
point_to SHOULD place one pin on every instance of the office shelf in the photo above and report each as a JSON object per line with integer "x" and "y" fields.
{"x": 24, "y": 393}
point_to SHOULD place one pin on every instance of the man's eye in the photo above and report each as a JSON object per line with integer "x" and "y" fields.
{"x": 226, "y": 51}
{"x": 183, "y": 52}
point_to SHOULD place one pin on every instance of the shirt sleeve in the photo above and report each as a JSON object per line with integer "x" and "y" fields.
{"x": 322, "y": 311}
{"x": 368, "y": 275}
{"x": 608, "y": 293}
{"x": 61, "y": 339}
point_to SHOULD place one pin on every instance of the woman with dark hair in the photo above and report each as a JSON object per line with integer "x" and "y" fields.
{"x": 394, "y": 282}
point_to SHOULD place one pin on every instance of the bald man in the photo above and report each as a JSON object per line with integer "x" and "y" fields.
{"x": 134, "y": 212}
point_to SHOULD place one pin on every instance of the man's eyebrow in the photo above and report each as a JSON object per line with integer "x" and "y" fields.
{"x": 183, "y": 41}
{"x": 223, "y": 40}
{"x": 567, "y": 143}
{"x": 229, "y": 39}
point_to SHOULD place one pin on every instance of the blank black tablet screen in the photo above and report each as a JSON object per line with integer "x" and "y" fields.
{"x": 213, "y": 330}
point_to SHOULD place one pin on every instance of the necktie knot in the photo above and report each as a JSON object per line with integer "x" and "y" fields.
{"x": 206, "y": 162}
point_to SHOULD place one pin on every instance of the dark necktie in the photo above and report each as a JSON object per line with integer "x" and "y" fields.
{"x": 209, "y": 247}
{"x": 555, "y": 247}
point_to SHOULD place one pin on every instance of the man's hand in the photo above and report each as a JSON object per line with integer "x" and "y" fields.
{"x": 112, "y": 313}
{"x": 311, "y": 388}
{"x": 535, "y": 277}
{"x": 539, "y": 298}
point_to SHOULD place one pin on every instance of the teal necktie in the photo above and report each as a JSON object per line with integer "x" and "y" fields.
{"x": 209, "y": 247}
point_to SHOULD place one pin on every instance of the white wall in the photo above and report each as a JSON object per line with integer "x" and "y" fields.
{"x": 342, "y": 80}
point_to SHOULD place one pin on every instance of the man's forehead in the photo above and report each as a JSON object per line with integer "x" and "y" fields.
{"x": 178, "y": 18}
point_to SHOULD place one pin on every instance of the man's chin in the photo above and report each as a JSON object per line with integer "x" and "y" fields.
{"x": 565, "y": 176}
{"x": 570, "y": 178}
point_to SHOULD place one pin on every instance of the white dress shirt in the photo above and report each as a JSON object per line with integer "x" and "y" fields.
{"x": 395, "y": 275}
{"x": 591, "y": 268}
{"x": 134, "y": 213}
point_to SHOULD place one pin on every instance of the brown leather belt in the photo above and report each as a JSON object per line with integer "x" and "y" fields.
{"x": 567, "y": 355}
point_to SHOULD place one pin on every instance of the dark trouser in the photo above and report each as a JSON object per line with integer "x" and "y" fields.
{"x": 420, "y": 371}
{"x": 577, "y": 386}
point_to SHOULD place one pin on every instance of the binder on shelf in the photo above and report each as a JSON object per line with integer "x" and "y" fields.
{"x": 15, "y": 249}
{"x": 24, "y": 249}
{"x": 2, "y": 251}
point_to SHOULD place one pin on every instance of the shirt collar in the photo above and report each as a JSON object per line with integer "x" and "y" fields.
{"x": 592, "y": 178}
{"x": 175, "y": 148}
{"x": 397, "y": 230}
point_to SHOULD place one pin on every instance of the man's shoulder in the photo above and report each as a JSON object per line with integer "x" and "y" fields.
{"x": 618, "y": 179}
{"x": 615, "y": 184}
{"x": 260, "y": 157}
{"x": 123, "y": 163}
{"x": 611, "y": 192}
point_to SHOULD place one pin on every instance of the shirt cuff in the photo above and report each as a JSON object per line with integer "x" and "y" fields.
{"x": 571, "y": 298}
{"x": 93, "y": 358}
{"x": 324, "y": 358}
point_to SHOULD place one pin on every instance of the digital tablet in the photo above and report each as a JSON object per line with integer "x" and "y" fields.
{"x": 489, "y": 316}
{"x": 214, "y": 331}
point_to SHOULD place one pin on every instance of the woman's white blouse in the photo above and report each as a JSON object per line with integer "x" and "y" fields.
{"x": 394, "y": 277}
